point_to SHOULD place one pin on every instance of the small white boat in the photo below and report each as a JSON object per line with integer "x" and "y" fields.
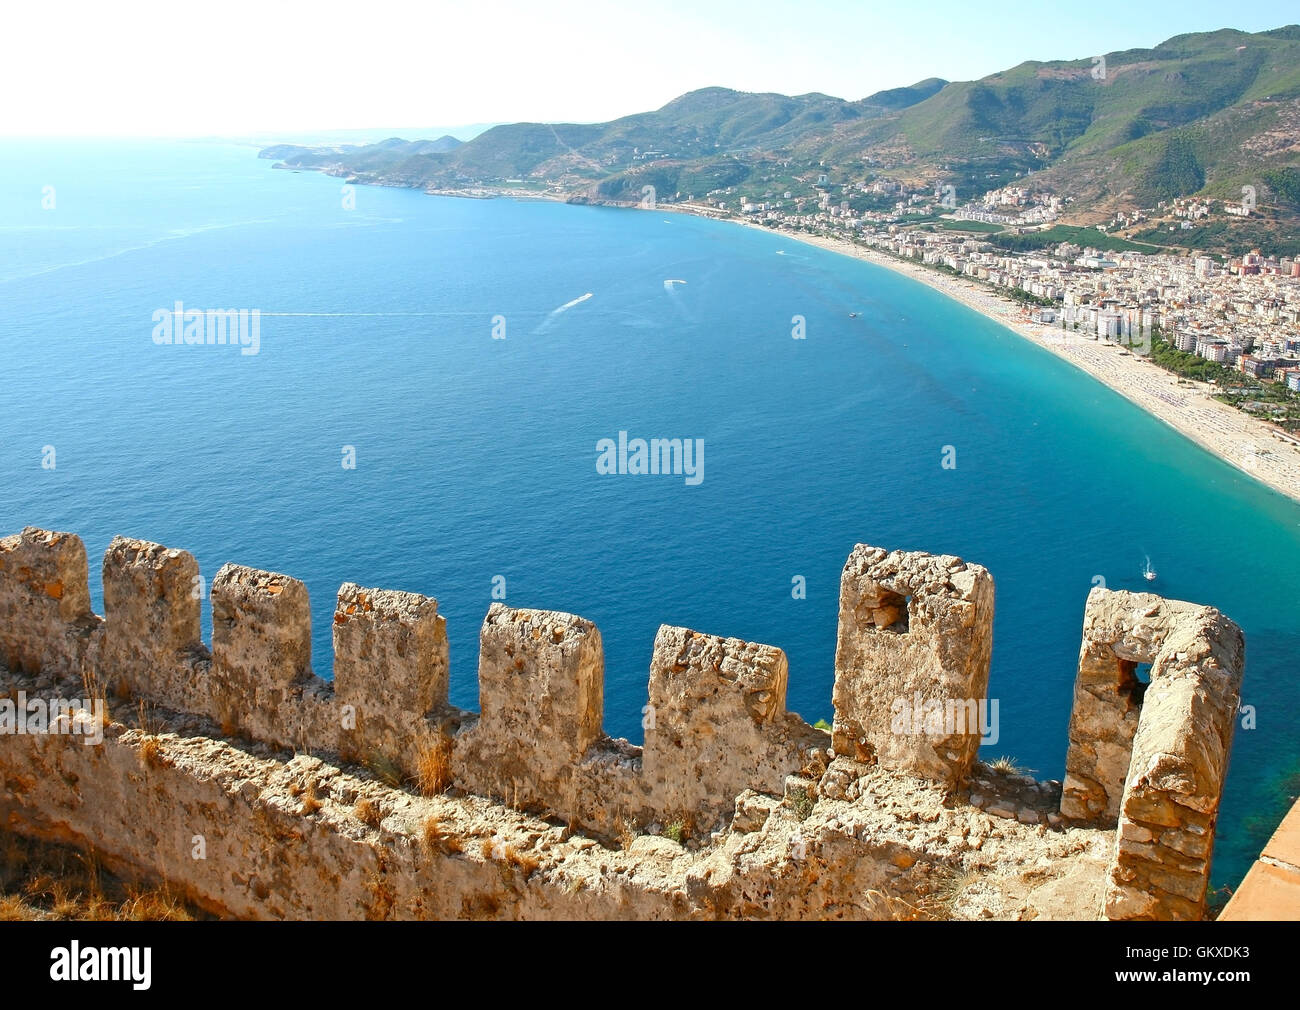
{"x": 1148, "y": 572}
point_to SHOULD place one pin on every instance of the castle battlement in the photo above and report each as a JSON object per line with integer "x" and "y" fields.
{"x": 1145, "y": 762}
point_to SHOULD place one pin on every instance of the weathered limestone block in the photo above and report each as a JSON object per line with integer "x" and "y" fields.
{"x": 1121, "y": 630}
{"x": 45, "y": 618}
{"x": 261, "y": 654}
{"x": 391, "y": 667}
{"x": 541, "y": 701}
{"x": 1170, "y": 801}
{"x": 716, "y": 722}
{"x": 1103, "y": 719}
{"x": 752, "y": 811}
{"x": 915, "y": 635}
{"x": 151, "y": 643}
{"x": 1134, "y": 625}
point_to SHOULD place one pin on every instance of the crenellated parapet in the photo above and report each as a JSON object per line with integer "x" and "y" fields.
{"x": 715, "y": 724}
{"x": 910, "y": 698}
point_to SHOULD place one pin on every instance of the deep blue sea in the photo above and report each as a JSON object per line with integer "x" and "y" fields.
{"x": 475, "y": 457}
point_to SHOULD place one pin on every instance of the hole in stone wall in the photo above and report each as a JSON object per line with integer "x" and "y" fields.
{"x": 892, "y": 613}
{"x": 1134, "y": 679}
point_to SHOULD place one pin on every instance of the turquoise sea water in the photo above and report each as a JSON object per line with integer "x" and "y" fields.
{"x": 476, "y": 457}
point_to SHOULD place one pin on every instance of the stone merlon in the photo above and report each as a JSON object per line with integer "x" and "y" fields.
{"x": 911, "y": 623}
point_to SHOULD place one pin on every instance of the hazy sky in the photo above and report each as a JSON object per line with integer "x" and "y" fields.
{"x": 188, "y": 67}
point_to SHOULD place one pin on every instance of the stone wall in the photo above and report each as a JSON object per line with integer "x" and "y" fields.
{"x": 722, "y": 754}
{"x": 247, "y": 832}
{"x": 720, "y": 723}
{"x": 1151, "y": 758}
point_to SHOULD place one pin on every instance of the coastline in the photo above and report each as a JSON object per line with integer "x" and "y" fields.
{"x": 1243, "y": 442}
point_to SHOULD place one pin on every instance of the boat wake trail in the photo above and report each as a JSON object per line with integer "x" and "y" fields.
{"x": 568, "y": 305}
{"x": 546, "y": 323}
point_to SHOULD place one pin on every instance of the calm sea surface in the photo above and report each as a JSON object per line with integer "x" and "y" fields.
{"x": 475, "y": 457}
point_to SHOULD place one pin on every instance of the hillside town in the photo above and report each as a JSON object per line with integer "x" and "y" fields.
{"x": 1240, "y": 313}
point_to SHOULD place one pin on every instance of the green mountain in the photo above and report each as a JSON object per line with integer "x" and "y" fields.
{"x": 711, "y": 126}
{"x": 1210, "y": 111}
{"x": 1204, "y": 113}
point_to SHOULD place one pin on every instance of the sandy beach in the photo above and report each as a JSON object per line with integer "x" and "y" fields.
{"x": 1186, "y": 406}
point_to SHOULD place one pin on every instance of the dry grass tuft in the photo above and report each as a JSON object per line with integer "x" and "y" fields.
{"x": 151, "y": 755}
{"x": 40, "y": 880}
{"x": 950, "y": 884}
{"x": 894, "y": 909}
{"x": 310, "y": 802}
{"x": 484, "y": 905}
{"x": 437, "y": 841}
{"x": 153, "y": 905}
{"x": 433, "y": 765}
{"x": 14, "y": 909}
{"x": 524, "y": 862}
{"x": 93, "y": 689}
{"x": 625, "y": 831}
{"x": 1009, "y": 766}
{"x": 368, "y": 812}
